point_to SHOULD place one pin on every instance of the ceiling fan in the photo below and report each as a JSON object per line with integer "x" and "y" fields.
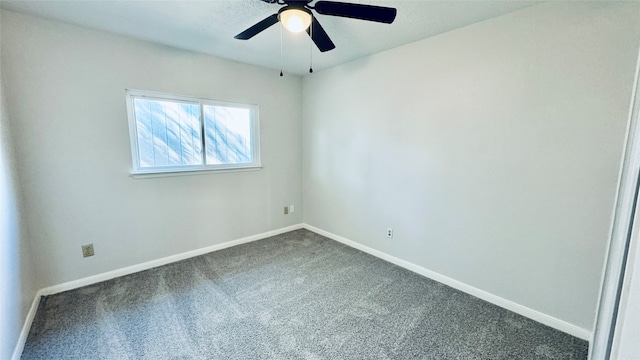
{"x": 296, "y": 16}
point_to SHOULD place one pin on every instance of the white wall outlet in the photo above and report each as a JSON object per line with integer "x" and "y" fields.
{"x": 286, "y": 210}
{"x": 390, "y": 233}
{"x": 292, "y": 209}
{"x": 87, "y": 250}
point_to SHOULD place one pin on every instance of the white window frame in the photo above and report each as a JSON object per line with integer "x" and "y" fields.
{"x": 138, "y": 171}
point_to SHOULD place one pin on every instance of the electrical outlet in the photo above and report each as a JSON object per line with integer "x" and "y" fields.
{"x": 292, "y": 209}
{"x": 87, "y": 250}
{"x": 286, "y": 210}
{"x": 390, "y": 233}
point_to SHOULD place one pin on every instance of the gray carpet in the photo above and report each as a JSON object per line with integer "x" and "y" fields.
{"x": 293, "y": 296}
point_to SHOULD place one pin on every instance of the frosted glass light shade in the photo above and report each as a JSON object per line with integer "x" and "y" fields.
{"x": 295, "y": 20}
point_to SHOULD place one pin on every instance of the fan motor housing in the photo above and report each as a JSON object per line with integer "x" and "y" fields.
{"x": 294, "y": 7}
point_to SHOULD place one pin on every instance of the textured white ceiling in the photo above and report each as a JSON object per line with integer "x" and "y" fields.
{"x": 209, "y": 26}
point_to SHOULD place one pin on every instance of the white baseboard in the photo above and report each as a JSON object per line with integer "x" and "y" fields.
{"x": 17, "y": 352}
{"x": 131, "y": 270}
{"x": 509, "y": 305}
{"x": 163, "y": 261}
{"x": 545, "y": 319}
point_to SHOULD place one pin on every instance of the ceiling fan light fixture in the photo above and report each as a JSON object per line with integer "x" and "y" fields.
{"x": 295, "y": 20}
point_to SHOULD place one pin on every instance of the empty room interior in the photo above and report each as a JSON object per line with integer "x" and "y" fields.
{"x": 408, "y": 180}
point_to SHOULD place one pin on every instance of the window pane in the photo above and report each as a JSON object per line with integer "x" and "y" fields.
{"x": 168, "y": 133}
{"x": 228, "y": 135}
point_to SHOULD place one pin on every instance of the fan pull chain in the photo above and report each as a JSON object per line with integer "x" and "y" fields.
{"x": 281, "y": 51}
{"x": 311, "y": 46}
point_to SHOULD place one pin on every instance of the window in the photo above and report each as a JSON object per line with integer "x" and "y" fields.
{"x": 173, "y": 134}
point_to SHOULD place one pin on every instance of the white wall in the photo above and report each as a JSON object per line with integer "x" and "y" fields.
{"x": 17, "y": 279}
{"x": 493, "y": 151}
{"x": 66, "y": 92}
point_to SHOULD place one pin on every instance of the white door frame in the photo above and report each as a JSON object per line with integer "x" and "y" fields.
{"x": 619, "y": 242}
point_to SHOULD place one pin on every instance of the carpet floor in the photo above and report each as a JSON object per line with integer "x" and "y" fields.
{"x": 297, "y": 295}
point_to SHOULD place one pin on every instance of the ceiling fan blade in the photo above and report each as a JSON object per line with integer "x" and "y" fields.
{"x": 257, "y": 28}
{"x": 357, "y": 11}
{"x": 319, "y": 36}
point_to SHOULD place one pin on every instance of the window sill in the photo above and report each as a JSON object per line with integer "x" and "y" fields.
{"x": 169, "y": 173}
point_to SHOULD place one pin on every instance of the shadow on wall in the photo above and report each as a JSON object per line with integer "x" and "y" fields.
{"x": 9, "y": 261}
{"x": 17, "y": 287}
